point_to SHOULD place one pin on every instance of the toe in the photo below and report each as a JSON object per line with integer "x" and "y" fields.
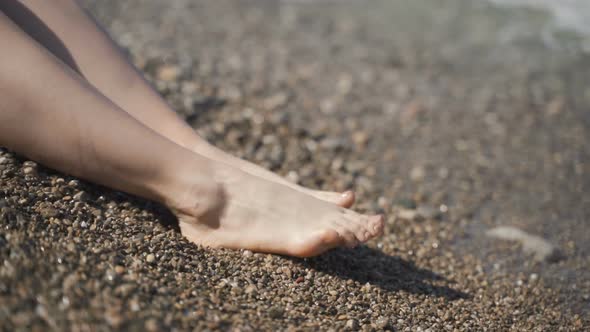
{"x": 358, "y": 225}
{"x": 365, "y": 227}
{"x": 348, "y": 237}
{"x": 345, "y": 199}
{"x": 376, "y": 225}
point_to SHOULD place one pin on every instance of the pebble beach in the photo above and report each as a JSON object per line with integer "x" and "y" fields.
{"x": 466, "y": 123}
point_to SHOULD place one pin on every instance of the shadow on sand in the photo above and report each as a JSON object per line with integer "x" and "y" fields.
{"x": 389, "y": 273}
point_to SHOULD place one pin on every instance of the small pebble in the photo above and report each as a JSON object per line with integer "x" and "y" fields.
{"x": 382, "y": 322}
{"x": 168, "y": 73}
{"x": 275, "y": 312}
{"x": 408, "y": 214}
{"x": 428, "y": 212}
{"x": 151, "y": 325}
{"x": 81, "y": 196}
{"x": 28, "y": 170}
{"x": 250, "y": 289}
{"x": 352, "y": 324}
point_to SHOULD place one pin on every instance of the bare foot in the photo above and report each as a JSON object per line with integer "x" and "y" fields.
{"x": 345, "y": 199}
{"x": 264, "y": 216}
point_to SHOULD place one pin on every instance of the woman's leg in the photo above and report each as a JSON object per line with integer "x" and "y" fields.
{"x": 50, "y": 114}
{"x": 79, "y": 43}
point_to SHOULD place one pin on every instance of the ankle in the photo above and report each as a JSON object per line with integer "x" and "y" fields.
{"x": 190, "y": 188}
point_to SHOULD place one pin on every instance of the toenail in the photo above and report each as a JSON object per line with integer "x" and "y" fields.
{"x": 346, "y": 193}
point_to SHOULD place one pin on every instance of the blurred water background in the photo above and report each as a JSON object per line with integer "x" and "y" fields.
{"x": 564, "y": 15}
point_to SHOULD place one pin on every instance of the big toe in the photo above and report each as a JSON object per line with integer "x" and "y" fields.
{"x": 345, "y": 199}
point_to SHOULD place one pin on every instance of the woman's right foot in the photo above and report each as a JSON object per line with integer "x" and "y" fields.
{"x": 250, "y": 212}
{"x": 345, "y": 199}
